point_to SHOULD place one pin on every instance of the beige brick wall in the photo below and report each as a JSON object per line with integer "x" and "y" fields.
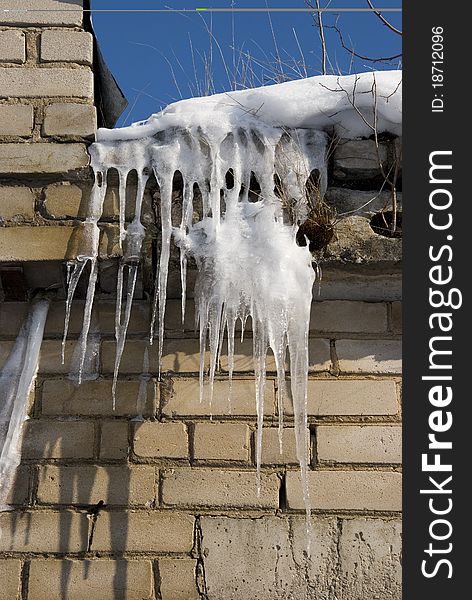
{"x": 160, "y": 499}
{"x": 46, "y": 99}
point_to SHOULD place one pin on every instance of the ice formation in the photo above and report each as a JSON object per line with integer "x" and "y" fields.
{"x": 249, "y": 264}
{"x": 16, "y": 378}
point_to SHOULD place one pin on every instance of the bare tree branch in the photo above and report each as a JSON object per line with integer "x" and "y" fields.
{"x": 353, "y": 53}
{"x": 383, "y": 19}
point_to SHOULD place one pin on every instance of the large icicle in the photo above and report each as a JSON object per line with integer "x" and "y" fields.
{"x": 248, "y": 261}
{"x": 16, "y": 378}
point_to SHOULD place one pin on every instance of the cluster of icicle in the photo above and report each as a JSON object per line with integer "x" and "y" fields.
{"x": 16, "y": 378}
{"x": 249, "y": 264}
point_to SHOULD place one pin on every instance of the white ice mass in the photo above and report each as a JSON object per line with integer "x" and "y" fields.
{"x": 249, "y": 264}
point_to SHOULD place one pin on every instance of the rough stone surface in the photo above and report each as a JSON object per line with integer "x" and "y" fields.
{"x": 12, "y": 46}
{"x": 16, "y": 202}
{"x": 42, "y": 158}
{"x": 113, "y": 485}
{"x": 347, "y": 490}
{"x": 21, "y": 82}
{"x": 140, "y": 531}
{"x": 59, "y": 45}
{"x": 264, "y": 558}
{"x": 218, "y": 488}
{"x": 355, "y": 242}
{"x": 99, "y": 579}
{"x": 161, "y": 440}
{"x": 70, "y": 119}
{"x": 369, "y": 356}
{"x": 221, "y": 441}
{"x": 354, "y": 444}
{"x": 49, "y": 12}
{"x": 359, "y": 202}
{"x": 178, "y": 579}
{"x": 358, "y": 159}
{"x": 370, "y": 559}
{"x": 10, "y": 574}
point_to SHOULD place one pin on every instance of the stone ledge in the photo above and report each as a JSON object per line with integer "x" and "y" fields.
{"x": 28, "y": 243}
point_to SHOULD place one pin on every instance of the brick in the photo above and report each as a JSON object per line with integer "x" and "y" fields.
{"x": 347, "y": 490}
{"x": 48, "y": 12}
{"x": 10, "y": 576}
{"x": 397, "y": 317}
{"x": 161, "y": 440}
{"x": 221, "y": 441}
{"x": 357, "y": 159}
{"x": 180, "y": 356}
{"x": 19, "y": 491}
{"x": 39, "y": 531}
{"x": 216, "y": 488}
{"x": 114, "y": 485}
{"x": 319, "y": 357}
{"x": 67, "y": 199}
{"x": 50, "y": 361}
{"x": 178, "y": 579}
{"x": 369, "y": 356}
{"x": 105, "y": 313}
{"x": 185, "y": 398}
{"x": 351, "y": 397}
{"x": 271, "y": 450}
{"x": 62, "y": 397}
{"x": 99, "y": 579}
{"x": 16, "y": 119}
{"x": 354, "y": 444}
{"x": 142, "y": 531}
{"x": 16, "y": 202}
{"x": 53, "y": 82}
{"x": 58, "y": 439}
{"x": 12, "y": 46}
{"x": 70, "y": 119}
{"x": 59, "y": 45}
{"x": 42, "y": 158}
{"x": 355, "y": 317}
{"x": 114, "y": 440}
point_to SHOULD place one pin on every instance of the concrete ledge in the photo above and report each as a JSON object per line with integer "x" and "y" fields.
{"x": 26, "y": 243}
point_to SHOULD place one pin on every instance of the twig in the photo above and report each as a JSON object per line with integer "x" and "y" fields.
{"x": 383, "y": 19}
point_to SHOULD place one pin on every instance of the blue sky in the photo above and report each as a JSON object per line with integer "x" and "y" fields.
{"x": 157, "y": 58}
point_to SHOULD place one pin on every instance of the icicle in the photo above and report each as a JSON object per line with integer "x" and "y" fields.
{"x": 143, "y": 387}
{"x": 16, "y": 379}
{"x": 122, "y": 327}
{"x": 73, "y": 277}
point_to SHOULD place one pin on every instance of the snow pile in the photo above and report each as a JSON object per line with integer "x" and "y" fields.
{"x": 248, "y": 260}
